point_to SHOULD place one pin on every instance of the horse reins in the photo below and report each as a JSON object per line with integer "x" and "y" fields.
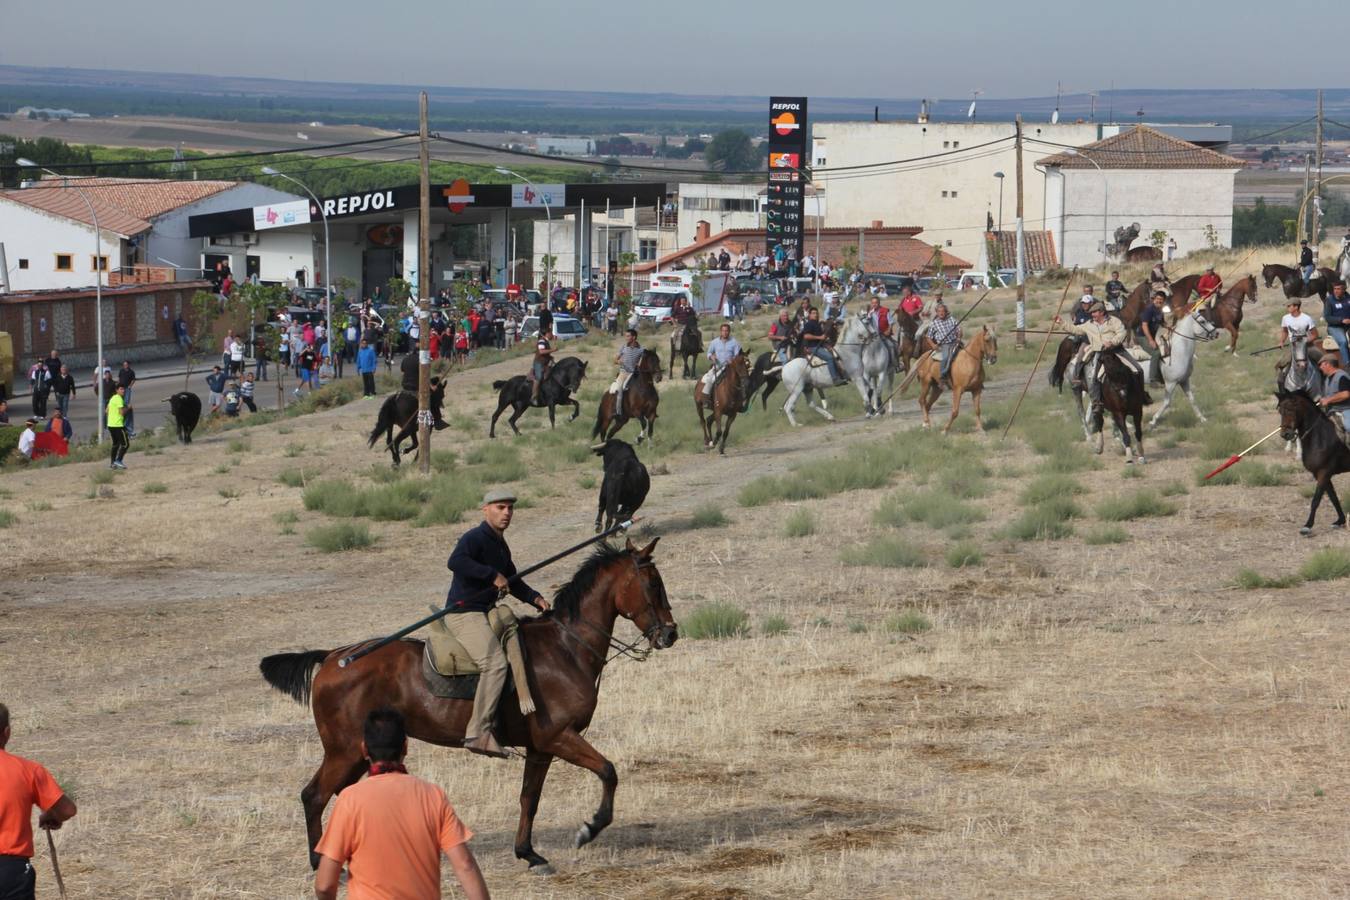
{"x": 630, "y": 649}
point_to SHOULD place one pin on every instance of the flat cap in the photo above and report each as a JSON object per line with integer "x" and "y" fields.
{"x": 1097, "y": 307}
{"x": 498, "y": 495}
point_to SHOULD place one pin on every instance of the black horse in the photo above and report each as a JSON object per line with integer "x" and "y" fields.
{"x": 1324, "y": 454}
{"x": 764, "y": 375}
{"x": 686, "y": 342}
{"x": 400, "y": 411}
{"x": 1123, "y": 396}
{"x": 563, "y": 380}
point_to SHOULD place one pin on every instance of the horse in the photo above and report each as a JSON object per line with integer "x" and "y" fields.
{"x": 563, "y": 380}
{"x": 869, "y": 360}
{"x": 1134, "y": 304}
{"x": 728, "y": 398}
{"x": 766, "y": 373}
{"x": 400, "y": 409}
{"x": 1227, "y": 309}
{"x": 1178, "y": 366}
{"x": 1291, "y": 281}
{"x": 1145, "y": 253}
{"x": 1300, "y": 373}
{"x": 640, "y": 401}
{"x": 686, "y": 342}
{"x": 1324, "y": 454}
{"x": 801, "y": 377}
{"x": 1343, "y": 263}
{"x": 1123, "y": 396}
{"x": 967, "y": 373}
{"x": 565, "y": 651}
{"x": 908, "y": 344}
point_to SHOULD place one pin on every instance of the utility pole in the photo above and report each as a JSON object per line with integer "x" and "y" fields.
{"x": 424, "y": 294}
{"x": 1021, "y": 338}
{"x": 1317, "y": 207}
{"x": 1307, "y": 186}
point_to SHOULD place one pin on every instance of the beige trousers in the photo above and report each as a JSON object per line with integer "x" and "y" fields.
{"x": 471, "y": 629}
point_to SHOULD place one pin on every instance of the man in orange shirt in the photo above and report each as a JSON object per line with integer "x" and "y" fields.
{"x": 23, "y": 785}
{"x": 390, "y": 829}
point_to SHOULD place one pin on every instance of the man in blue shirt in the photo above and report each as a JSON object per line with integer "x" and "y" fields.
{"x": 721, "y": 351}
{"x": 366, "y": 361}
{"x": 481, "y": 562}
{"x": 1336, "y": 311}
{"x": 1151, "y": 323}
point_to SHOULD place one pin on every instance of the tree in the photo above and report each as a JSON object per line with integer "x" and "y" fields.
{"x": 731, "y": 151}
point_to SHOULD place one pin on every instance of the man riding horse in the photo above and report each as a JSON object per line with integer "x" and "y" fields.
{"x": 1307, "y": 264}
{"x": 815, "y": 343}
{"x": 721, "y": 351}
{"x": 1104, "y": 334}
{"x": 626, "y": 360}
{"x": 1152, "y": 322}
{"x": 543, "y": 361}
{"x": 783, "y": 336}
{"x": 945, "y": 333}
{"x": 879, "y": 316}
{"x": 1158, "y": 280}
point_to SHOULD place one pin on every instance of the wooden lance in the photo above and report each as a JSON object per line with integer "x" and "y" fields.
{"x": 1040, "y": 354}
{"x": 1237, "y": 456}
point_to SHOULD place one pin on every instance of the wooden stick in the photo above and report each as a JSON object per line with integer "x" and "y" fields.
{"x": 1045, "y": 343}
{"x": 1237, "y": 456}
{"x": 56, "y": 866}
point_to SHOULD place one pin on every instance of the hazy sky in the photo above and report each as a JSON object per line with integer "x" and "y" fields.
{"x": 850, "y": 48}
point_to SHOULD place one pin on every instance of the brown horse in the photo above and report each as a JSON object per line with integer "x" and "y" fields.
{"x": 566, "y": 652}
{"x": 906, "y": 327}
{"x": 728, "y": 399}
{"x": 967, "y": 373}
{"x": 639, "y": 402}
{"x": 1227, "y": 311}
{"x": 1138, "y": 299}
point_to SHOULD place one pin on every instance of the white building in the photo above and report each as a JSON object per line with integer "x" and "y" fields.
{"x": 1142, "y": 175}
{"x": 724, "y": 207}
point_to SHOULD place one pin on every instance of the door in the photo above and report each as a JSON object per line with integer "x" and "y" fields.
{"x": 252, "y": 267}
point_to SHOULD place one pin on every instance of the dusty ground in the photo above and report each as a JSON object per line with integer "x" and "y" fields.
{"x": 1114, "y": 719}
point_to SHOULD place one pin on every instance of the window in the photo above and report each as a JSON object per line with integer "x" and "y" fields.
{"x": 953, "y": 195}
{"x": 23, "y": 264}
{"x": 946, "y": 144}
{"x": 64, "y": 262}
{"x": 956, "y": 145}
{"x": 646, "y": 250}
{"x": 99, "y": 264}
{"x": 820, "y": 160}
{"x": 944, "y": 193}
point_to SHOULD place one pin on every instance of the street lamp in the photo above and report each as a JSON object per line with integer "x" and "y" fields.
{"x": 548, "y": 258}
{"x": 999, "y": 176}
{"x": 327, "y": 263}
{"x": 98, "y": 284}
{"x": 1106, "y": 193}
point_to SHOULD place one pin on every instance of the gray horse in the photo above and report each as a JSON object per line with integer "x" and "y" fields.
{"x": 869, "y": 360}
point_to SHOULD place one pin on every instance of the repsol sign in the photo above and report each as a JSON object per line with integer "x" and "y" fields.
{"x": 355, "y": 204}
{"x": 792, "y": 107}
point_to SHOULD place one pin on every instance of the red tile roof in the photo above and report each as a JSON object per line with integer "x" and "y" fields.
{"x": 70, "y": 205}
{"x": 143, "y": 198}
{"x": 1040, "y": 249}
{"x": 893, "y": 249}
{"x": 1142, "y": 148}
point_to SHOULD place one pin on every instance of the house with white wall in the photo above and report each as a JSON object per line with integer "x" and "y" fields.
{"x": 1141, "y": 175}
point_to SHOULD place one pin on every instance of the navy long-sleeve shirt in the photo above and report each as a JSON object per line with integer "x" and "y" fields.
{"x": 477, "y": 558}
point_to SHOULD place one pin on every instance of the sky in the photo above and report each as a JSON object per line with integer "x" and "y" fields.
{"x": 843, "y": 48}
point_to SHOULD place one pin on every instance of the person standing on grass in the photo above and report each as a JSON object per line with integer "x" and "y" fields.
{"x": 215, "y": 385}
{"x": 28, "y": 438}
{"x": 366, "y": 361}
{"x": 23, "y": 785}
{"x": 117, "y": 427}
{"x": 391, "y": 828}
{"x": 126, "y": 377}
{"x": 246, "y": 392}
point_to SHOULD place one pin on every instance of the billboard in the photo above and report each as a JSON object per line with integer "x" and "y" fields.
{"x": 537, "y": 195}
{"x": 279, "y": 215}
{"x": 785, "y": 200}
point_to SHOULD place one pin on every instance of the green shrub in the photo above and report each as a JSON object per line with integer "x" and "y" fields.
{"x": 221, "y": 469}
{"x": 102, "y": 476}
{"x": 286, "y": 517}
{"x": 774, "y": 626}
{"x": 716, "y": 621}
{"x": 586, "y": 482}
{"x": 340, "y": 536}
{"x": 239, "y": 445}
{"x": 910, "y": 621}
{"x": 7, "y": 518}
{"x": 38, "y": 506}
{"x": 1040, "y": 523}
{"x": 1220, "y": 440}
{"x": 450, "y": 498}
{"x": 801, "y": 522}
{"x": 1111, "y": 534}
{"x": 1252, "y": 580}
{"x": 293, "y": 450}
{"x": 382, "y": 474}
{"x": 154, "y": 487}
{"x": 963, "y": 555}
{"x": 887, "y": 551}
{"x": 708, "y": 516}
{"x": 1140, "y": 505}
{"x": 230, "y": 493}
{"x": 933, "y": 508}
{"x": 1173, "y": 489}
{"x": 1326, "y": 565}
{"x": 1261, "y": 475}
{"x": 857, "y": 627}
{"x": 296, "y": 477}
{"x": 443, "y": 461}
{"x": 395, "y": 502}
{"x": 335, "y": 498}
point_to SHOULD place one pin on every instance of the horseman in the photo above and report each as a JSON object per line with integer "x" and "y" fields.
{"x": 721, "y": 351}
{"x": 879, "y": 316}
{"x": 627, "y": 361}
{"x": 1296, "y": 325}
{"x": 1209, "y": 286}
{"x": 1152, "y": 321}
{"x": 1307, "y": 264}
{"x": 482, "y": 560}
{"x": 1104, "y": 334}
{"x": 1115, "y": 292}
{"x": 926, "y": 317}
{"x": 539, "y": 367}
{"x": 1158, "y": 280}
{"x": 945, "y": 333}
{"x": 1336, "y": 312}
{"x": 814, "y": 343}
{"x": 782, "y": 335}
{"x": 1335, "y": 397}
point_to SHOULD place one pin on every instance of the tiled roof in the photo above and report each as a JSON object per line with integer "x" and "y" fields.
{"x": 142, "y": 197}
{"x": 893, "y": 249}
{"x": 1040, "y": 249}
{"x": 69, "y": 204}
{"x": 1142, "y": 148}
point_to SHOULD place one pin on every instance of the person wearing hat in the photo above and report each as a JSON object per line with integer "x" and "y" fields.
{"x": 945, "y": 333}
{"x": 1152, "y": 323}
{"x": 28, "y": 437}
{"x": 1208, "y": 287}
{"x": 627, "y": 361}
{"x": 1104, "y": 334}
{"x": 1335, "y": 397}
{"x": 1082, "y": 311}
{"x": 481, "y": 561}
{"x": 1307, "y": 262}
{"x": 1296, "y": 325}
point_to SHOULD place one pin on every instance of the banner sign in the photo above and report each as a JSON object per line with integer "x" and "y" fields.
{"x": 279, "y": 215}
{"x": 784, "y": 202}
{"x": 539, "y": 195}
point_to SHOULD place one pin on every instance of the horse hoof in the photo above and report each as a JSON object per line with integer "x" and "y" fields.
{"x": 542, "y": 869}
{"x": 584, "y": 836}
{"x": 1305, "y": 530}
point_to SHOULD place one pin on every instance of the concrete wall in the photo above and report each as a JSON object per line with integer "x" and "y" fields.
{"x": 1181, "y": 202}
{"x": 914, "y": 195}
{"x": 37, "y": 236}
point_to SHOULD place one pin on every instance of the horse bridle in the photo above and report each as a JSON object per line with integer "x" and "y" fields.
{"x": 622, "y": 648}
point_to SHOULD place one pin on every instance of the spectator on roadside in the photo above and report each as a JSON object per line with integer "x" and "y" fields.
{"x": 391, "y": 828}
{"x": 261, "y": 357}
{"x": 215, "y": 385}
{"x": 39, "y": 382}
{"x": 246, "y": 392}
{"x": 180, "y": 333}
{"x": 307, "y": 367}
{"x": 225, "y": 350}
{"x": 231, "y": 404}
{"x": 117, "y": 427}
{"x": 236, "y": 357}
{"x": 284, "y": 351}
{"x": 59, "y": 424}
{"x": 28, "y": 437}
{"x": 23, "y": 785}
{"x": 63, "y": 386}
{"x": 366, "y": 361}
{"x": 53, "y": 363}
{"x": 126, "y": 377}
{"x": 4, "y": 412}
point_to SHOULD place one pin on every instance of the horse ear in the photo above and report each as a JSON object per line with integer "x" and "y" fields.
{"x": 628, "y": 544}
{"x": 646, "y": 551}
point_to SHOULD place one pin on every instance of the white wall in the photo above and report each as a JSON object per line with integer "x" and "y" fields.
{"x": 37, "y": 236}
{"x": 280, "y": 251}
{"x": 169, "y": 240}
{"x": 1179, "y": 201}
{"x": 914, "y": 196}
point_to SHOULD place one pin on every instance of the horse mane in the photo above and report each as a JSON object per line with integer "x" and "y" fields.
{"x": 567, "y": 601}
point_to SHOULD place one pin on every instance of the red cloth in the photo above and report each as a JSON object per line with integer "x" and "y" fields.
{"x": 48, "y": 443}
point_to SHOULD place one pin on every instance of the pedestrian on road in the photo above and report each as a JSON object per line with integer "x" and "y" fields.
{"x": 23, "y": 785}
{"x": 366, "y": 362}
{"x": 63, "y": 386}
{"x": 39, "y": 382}
{"x": 390, "y": 829}
{"x": 117, "y": 427}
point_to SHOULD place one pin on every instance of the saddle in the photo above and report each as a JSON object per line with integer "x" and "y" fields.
{"x": 451, "y": 673}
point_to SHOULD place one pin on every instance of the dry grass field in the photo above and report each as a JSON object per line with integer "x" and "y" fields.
{"x": 967, "y": 666}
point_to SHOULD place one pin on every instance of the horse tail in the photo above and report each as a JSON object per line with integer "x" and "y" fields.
{"x": 383, "y": 424}
{"x": 293, "y": 673}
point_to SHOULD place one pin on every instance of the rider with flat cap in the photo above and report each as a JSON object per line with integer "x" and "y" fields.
{"x": 481, "y": 561}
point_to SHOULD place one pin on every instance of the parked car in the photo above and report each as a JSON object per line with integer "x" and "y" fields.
{"x": 303, "y": 314}
{"x": 309, "y": 296}
{"x": 770, "y": 291}
{"x": 895, "y": 284}
{"x": 565, "y": 327}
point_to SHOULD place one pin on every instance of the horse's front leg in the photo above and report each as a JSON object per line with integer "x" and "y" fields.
{"x": 1190, "y": 397}
{"x": 573, "y": 748}
{"x": 975, "y": 399}
{"x": 551, "y": 408}
{"x": 1232, "y": 346}
{"x": 576, "y": 409}
{"x": 703, "y": 423}
{"x": 1139, "y": 438}
{"x": 956, "y": 409}
{"x": 726, "y": 433}
{"x": 531, "y": 787}
{"x": 1322, "y": 483}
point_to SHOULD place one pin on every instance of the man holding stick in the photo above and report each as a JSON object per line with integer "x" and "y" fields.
{"x": 23, "y": 785}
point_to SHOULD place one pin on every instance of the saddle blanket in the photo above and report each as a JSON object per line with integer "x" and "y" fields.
{"x": 457, "y": 687}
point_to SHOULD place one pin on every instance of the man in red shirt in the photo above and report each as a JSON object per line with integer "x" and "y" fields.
{"x": 1208, "y": 287}
{"x": 390, "y": 829}
{"x": 23, "y": 785}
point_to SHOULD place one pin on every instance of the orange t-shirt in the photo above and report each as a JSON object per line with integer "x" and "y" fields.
{"x": 390, "y": 830}
{"x": 23, "y": 784}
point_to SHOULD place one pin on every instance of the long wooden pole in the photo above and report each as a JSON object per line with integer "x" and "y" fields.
{"x": 424, "y": 294}
{"x": 1044, "y": 343}
{"x": 1021, "y": 336}
{"x": 914, "y": 370}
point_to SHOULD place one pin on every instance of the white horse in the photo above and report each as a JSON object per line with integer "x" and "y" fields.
{"x": 1344, "y": 262}
{"x": 1301, "y": 374}
{"x": 869, "y": 361}
{"x": 800, "y": 377}
{"x": 1179, "y": 364}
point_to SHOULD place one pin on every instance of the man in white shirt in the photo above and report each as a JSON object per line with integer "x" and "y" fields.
{"x": 1296, "y": 325}
{"x": 28, "y": 438}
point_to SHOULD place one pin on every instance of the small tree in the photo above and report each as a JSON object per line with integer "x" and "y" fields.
{"x": 1157, "y": 238}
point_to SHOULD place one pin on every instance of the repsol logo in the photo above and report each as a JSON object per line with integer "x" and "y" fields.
{"x": 359, "y": 203}
{"x": 792, "y": 106}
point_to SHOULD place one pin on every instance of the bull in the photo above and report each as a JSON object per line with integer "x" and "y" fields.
{"x": 625, "y": 485}
{"x": 186, "y": 409}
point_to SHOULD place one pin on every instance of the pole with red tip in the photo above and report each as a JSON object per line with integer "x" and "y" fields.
{"x": 1238, "y": 456}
